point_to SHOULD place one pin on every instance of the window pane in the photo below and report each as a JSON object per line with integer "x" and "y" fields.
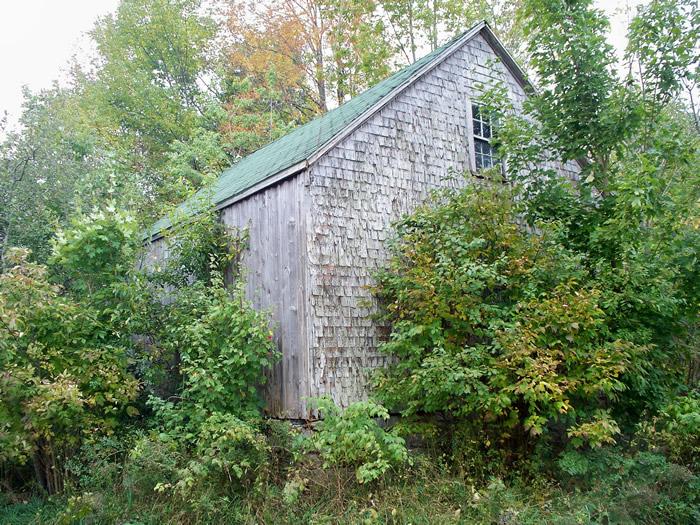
{"x": 486, "y": 130}
{"x": 484, "y": 154}
{"x": 476, "y": 112}
{"x": 477, "y": 127}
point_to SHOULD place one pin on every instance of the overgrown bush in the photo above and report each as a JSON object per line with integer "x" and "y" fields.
{"x": 205, "y": 427}
{"x": 64, "y": 374}
{"x": 76, "y": 334}
{"x": 493, "y": 325}
{"x": 150, "y": 462}
{"x": 633, "y": 488}
{"x": 352, "y": 438}
{"x": 228, "y": 452}
{"x": 99, "y": 463}
{"x": 223, "y": 346}
{"x": 555, "y": 311}
{"x": 675, "y": 430}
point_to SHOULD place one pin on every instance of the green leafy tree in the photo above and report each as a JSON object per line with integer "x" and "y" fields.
{"x": 205, "y": 359}
{"x": 412, "y": 25}
{"x": 156, "y": 76}
{"x": 153, "y": 59}
{"x": 663, "y": 40}
{"x": 575, "y": 65}
{"x": 64, "y": 372}
{"x": 51, "y": 167}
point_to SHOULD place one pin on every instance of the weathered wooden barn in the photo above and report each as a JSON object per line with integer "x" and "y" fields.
{"x": 319, "y": 204}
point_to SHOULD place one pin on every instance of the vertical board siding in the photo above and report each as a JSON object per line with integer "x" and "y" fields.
{"x": 274, "y": 267}
{"x": 274, "y": 271}
{"x": 380, "y": 172}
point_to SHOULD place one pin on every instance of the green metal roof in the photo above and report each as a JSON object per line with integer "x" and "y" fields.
{"x": 301, "y": 143}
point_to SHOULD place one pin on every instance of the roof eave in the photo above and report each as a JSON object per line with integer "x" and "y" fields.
{"x": 482, "y": 28}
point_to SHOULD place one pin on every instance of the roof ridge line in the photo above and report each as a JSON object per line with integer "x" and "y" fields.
{"x": 458, "y": 42}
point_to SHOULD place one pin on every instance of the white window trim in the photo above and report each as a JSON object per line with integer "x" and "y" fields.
{"x": 470, "y": 137}
{"x": 472, "y": 146}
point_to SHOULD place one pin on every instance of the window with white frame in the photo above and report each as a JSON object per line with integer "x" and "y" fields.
{"x": 484, "y": 152}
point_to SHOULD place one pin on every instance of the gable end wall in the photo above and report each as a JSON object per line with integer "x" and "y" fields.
{"x": 366, "y": 182}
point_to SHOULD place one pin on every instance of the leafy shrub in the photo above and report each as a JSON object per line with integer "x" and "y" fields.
{"x": 491, "y": 325}
{"x": 224, "y": 345}
{"x": 636, "y": 488}
{"x": 227, "y": 452}
{"x": 353, "y": 438}
{"x": 77, "y": 509}
{"x": 96, "y": 251}
{"x": 99, "y": 463}
{"x": 200, "y": 247}
{"x": 280, "y": 436}
{"x": 676, "y": 430}
{"x": 65, "y": 372}
{"x": 68, "y": 353}
{"x": 151, "y": 462}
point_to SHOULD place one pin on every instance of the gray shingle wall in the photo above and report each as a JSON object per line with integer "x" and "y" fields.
{"x": 358, "y": 188}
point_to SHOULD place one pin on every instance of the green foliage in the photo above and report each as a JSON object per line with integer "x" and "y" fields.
{"x": 99, "y": 463}
{"x": 69, "y": 353}
{"x": 227, "y": 450}
{"x": 224, "y": 354}
{"x": 569, "y": 51}
{"x": 360, "y": 56}
{"x": 560, "y": 358}
{"x": 201, "y": 248}
{"x": 540, "y": 322}
{"x": 635, "y": 488}
{"x": 65, "y": 372}
{"x": 616, "y": 488}
{"x": 96, "y": 251}
{"x": 151, "y": 462}
{"x": 208, "y": 349}
{"x": 633, "y": 219}
{"x": 52, "y": 167}
{"x": 675, "y": 431}
{"x": 223, "y": 347}
{"x": 664, "y": 37}
{"x": 414, "y": 24}
{"x": 353, "y": 438}
{"x": 490, "y": 324}
{"x": 153, "y": 56}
